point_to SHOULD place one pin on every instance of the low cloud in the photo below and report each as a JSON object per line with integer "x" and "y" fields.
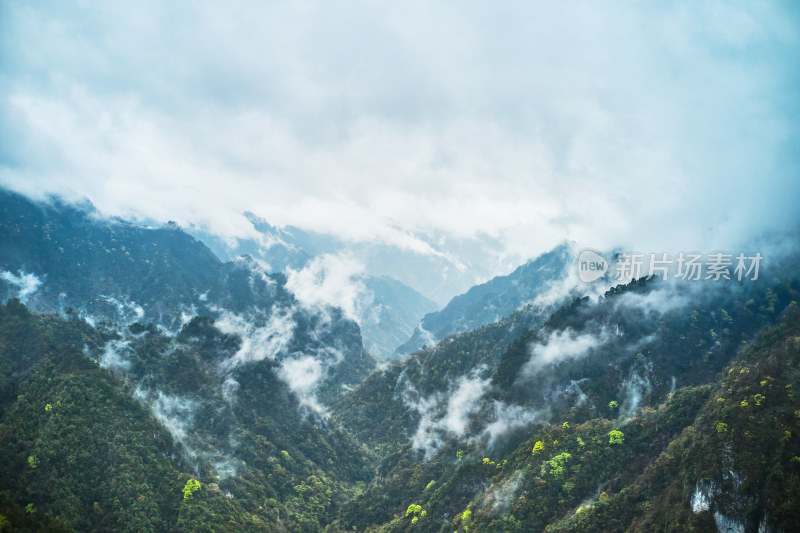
{"x": 329, "y": 281}
{"x": 560, "y": 346}
{"x": 568, "y": 286}
{"x": 428, "y": 437}
{"x": 116, "y": 355}
{"x": 464, "y": 400}
{"x": 258, "y": 342}
{"x": 508, "y": 417}
{"x": 446, "y": 415}
{"x": 571, "y": 392}
{"x": 26, "y": 284}
{"x": 657, "y": 301}
{"x": 257, "y": 267}
{"x": 499, "y": 497}
{"x": 124, "y": 311}
{"x": 229, "y": 388}
{"x": 303, "y": 375}
{"x": 634, "y": 389}
{"x": 176, "y": 414}
{"x": 271, "y": 338}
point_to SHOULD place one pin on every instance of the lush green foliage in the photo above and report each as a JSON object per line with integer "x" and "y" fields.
{"x": 670, "y": 405}
{"x": 190, "y": 488}
{"x": 615, "y": 436}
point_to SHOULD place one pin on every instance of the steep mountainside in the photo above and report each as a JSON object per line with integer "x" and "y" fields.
{"x": 57, "y": 256}
{"x": 115, "y": 451}
{"x": 384, "y": 410}
{"x": 593, "y": 368}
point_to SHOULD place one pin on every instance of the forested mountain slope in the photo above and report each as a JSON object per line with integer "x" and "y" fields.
{"x": 57, "y": 256}
{"x": 643, "y": 360}
{"x": 94, "y": 450}
{"x": 145, "y": 385}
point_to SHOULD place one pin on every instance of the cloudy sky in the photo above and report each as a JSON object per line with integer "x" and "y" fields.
{"x": 661, "y": 127}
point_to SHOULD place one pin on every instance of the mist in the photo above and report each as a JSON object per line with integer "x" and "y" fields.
{"x": 445, "y": 414}
{"x": 24, "y": 283}
{"x": 560, "y": 346}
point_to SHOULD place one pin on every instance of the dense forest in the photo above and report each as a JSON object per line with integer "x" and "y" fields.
{"x": 148, "y": 385}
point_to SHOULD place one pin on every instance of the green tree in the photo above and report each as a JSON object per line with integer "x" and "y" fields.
{"x": 557, "y": 464}
{"x": 615, "y": 436}
{"x": 413, "y": 509}
{"x": 190, "y": 488}
{"x": 538, "y": 447}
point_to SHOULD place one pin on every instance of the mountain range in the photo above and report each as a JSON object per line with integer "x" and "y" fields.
{"x": 149, "y": 383}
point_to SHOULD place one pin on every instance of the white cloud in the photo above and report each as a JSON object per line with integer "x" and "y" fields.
{"x": 270, "y": 338}
{"x": 116, "y": 355}
{"x": 463, "y": 401}
{"x": 444, "y": 415}
{"x": 303, "y": 375}
{"x": 658, "y": 301}
{"x": 329, "y": 281}
{"x": 634, "y": 389}
{"x": 500, "y": 497}
{"x": 258, "y": 342}
{"x": 506, "y": 418}
{"x": 26, "y": 283}
{"x": 257, "y": 267}
{"x": 176, "y": 414}
{"x": 229, "y": 388}
{"x": 569, "y": 285}
{"x": 126, "y": 311}
{"x": 427, "y": 437}
{"x": 560, "y": 346}
{"x": 660, "y": 127}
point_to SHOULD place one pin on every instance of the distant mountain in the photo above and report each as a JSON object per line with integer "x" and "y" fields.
{"x": 491, "y": 301}
{"x": 389, "y": 314}
{"x": 387, "y": 310}
{"x": 107, "y": 267}
{"x": 434, "y": 265}
{"x": 278, "y": 248}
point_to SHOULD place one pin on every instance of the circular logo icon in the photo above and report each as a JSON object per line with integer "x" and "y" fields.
{"x": 591, "y": 266}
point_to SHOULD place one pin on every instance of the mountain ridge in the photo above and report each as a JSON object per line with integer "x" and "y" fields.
{"x": 493, "y": 300}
